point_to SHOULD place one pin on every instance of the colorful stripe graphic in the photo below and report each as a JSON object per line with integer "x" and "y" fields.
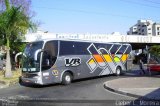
{"x": 107, "y": 59}
{"x": 100, "y": 60}
{"x": 96, "y": 55}
{"x": 124, "y": 57}
{"x": 92, "y": 64}
{"x": 117, "y": 59}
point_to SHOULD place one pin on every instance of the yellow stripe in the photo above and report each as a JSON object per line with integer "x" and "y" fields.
{"x": 91, "y": 61}
{"x": 107, "y": 58}
{"x": 124, "y": 57}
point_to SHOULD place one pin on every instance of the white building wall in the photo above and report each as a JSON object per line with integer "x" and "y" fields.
{"x": 145, "y": 27}
{"x": 93, "y": 37}
{"x": 156, "y": 29}
{"x": 149, "y": 30}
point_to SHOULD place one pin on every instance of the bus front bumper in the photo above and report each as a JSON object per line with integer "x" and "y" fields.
{"x": 36, "y": 81}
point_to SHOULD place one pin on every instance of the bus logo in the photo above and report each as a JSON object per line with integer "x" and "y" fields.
{"x": 72, "y": 62}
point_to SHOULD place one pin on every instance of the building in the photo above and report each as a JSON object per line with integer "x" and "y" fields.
{"x": 145, "y": 27}
{"x": 156, "y": 29}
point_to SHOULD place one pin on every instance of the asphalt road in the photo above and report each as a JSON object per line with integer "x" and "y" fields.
{"x": 88, "y": 91}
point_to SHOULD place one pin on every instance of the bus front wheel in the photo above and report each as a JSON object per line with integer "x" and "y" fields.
{"x": 67, "y": 78}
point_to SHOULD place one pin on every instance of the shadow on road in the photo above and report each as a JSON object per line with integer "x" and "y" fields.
{"x": 137, "y": 73}
{"x": 74, "y": 81}
{"x": 151, "y": 99}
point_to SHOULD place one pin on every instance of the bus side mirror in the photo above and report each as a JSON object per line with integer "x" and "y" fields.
{"x": 36, "y": 54}
{"x": 18, "y": 54}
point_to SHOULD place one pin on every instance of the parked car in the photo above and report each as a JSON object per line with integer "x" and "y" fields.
{"x": 154, "y": 64}
{"x": 154, "y": 67}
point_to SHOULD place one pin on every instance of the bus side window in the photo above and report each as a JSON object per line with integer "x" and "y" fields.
{"x": 122, "y": 49}
{"x": 67, "y": 48}
{"x": 103, "y": 47}
{"x": 114, "y": 49}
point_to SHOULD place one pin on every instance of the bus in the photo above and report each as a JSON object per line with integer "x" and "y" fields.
{"x": 62, "y": 61}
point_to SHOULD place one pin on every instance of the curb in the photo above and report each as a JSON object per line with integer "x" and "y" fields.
{"x": 125, "y": 93}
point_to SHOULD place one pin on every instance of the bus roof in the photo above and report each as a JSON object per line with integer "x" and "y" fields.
{"x": 77, "y": 40}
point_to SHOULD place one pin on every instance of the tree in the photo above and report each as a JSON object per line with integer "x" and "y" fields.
{"x": 25, "y": 4}
{"x": 14, "y": 23}
{"x": 155, "y": 50}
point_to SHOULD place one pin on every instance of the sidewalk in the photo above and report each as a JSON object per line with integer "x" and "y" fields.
{"x": 3, "y": 85}
{"x": 7, "y": 82}
{"x": 135, "y": 85}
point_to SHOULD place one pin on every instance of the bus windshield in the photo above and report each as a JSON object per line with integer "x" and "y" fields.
{"x": 29, "y": 64}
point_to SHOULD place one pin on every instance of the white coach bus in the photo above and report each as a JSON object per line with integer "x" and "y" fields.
{"x": 61, "y": 61}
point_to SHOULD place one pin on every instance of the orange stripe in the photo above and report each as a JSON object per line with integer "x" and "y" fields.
{"x": 98, "y": 58}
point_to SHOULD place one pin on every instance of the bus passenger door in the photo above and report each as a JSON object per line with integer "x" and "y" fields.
{"x": 49, "y": 57}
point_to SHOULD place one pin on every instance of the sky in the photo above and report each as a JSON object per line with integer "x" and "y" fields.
{"x": 93, "y": 16}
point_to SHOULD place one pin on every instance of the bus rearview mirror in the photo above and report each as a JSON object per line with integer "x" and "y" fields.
{"x": 36, "y": 54}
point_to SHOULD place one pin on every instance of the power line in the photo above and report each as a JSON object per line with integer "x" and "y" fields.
{"x": 95, "y": 13}
{"x": 138, "y": 3}
{"x": 89, "y": 12}
{"x": 152, "y": 1}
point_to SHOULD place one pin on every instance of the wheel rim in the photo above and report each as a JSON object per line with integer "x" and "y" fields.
{"x": 68, "y": 78}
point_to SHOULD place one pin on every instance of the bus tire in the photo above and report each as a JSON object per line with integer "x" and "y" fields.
{"x": 20, "y": 81}
{"x": 118, "y": 71}
{"x": 67, "y": 78}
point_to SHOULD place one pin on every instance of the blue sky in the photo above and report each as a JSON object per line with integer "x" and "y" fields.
{"x": 93, "y": 16}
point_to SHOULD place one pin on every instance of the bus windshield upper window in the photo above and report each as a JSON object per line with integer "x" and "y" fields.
{"x": 31, "y": 48}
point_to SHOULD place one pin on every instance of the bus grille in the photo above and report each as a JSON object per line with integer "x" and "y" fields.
{"x": 29, "y": 75}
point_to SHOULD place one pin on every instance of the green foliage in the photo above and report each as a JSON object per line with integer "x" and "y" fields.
{"x": 25, "y": 4}
{"x": 155, "y": 50}
{"x": 14, "y": 24}
{"x": 18, "y": 47}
